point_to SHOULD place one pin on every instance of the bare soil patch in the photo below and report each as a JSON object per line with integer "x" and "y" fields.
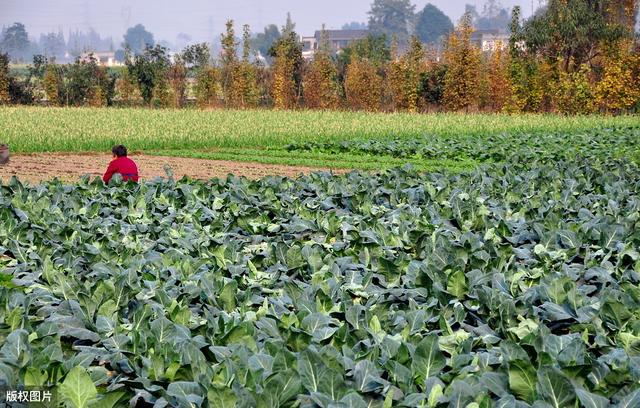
{"x": 36, "y": 168}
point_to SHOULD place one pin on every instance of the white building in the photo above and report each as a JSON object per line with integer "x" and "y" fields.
{"x": 338, "y": 40}
{"x": 106, "y": 59}
{"x": 490, "y": 40}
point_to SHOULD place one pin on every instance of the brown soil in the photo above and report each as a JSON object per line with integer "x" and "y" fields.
{"x": 35, "y": 168}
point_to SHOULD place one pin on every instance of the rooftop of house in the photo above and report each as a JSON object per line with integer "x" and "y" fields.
{"x": 100, "y": 54}
{"x": 337, "y": 35}
{"x": 495, "y": 33}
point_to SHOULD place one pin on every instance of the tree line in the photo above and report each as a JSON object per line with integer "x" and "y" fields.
{"x": 573, "y": 57}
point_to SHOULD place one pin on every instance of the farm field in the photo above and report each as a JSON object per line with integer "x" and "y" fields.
{"x": 508, "y": 275}
{"x": 510, "y": 286}
{"x": 338, "y": 140}
{"x": 33, "y": 129}
{"x": 71, "y": 167}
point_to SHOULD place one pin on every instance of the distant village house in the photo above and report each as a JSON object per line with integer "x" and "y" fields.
{"x": 105, "y": 59}
{"x": 338, "y": 40}
{"x": 490, "y": 40}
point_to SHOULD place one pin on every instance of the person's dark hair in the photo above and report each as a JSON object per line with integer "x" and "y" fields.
{"x": 119, "y": 151}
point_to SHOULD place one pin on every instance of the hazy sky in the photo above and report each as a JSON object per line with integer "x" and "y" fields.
{"x": 201, "y": 19}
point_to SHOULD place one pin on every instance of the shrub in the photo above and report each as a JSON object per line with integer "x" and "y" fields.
{"x": 52, "y": 84}
{"x": 207, "y": 88}
{"x": 574, "y": 93}
{"x": 619, "y": 88}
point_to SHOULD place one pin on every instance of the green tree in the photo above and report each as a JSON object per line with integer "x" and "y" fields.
{"x": 404, "y": 77}
{"x": 229, "y": 63}
{"x": 15, "y": 41}
{"x": 494, "y": 16}
{"x": 571, "y": 30}
{"x": 355, "y": 25}
{"x": 138, "y": 39}
{"x": 52, "y": 84}
{"x": 22, "y": 91}
{"x": 163, "y": 96}
{"x": 207, "y": 87}
{"x": 52, "y": 44}
{"x": 432, "y": 85}
{"x": 287, "y": 70}
{"x": 374, "y": 48}
{"x": 196, "y": 56}
{"x": 246, "y": 93}
{"x": 263, "y": 42}
{"x": 432, "y": 24}
{"x": 526, "y": 92}
{"x": 289, "y": 25}
{"x": 149, "y": 69}
{"x": 461, "y": 85}
{"x": 392, "y": 18}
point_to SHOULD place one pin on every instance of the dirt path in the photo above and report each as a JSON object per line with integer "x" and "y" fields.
{"x": 35, "y": 168}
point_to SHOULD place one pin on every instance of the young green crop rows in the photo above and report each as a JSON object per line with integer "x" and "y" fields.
{"x": 72, "y": 130}
{"x": 511, "y": 286}
{"x": 621, "y": 142}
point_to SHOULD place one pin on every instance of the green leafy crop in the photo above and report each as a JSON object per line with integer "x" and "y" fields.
{"x": 514, "y": 285}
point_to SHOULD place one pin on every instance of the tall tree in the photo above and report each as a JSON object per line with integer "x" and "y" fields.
{"x": 15, "y": 41}
{"x": 355, "y": 25}
{"x": 432, "y": 24}
{"x": 207, "y": 87}
{"x": 262, "y": 42}
{"x": 496, "y": 72}
{"x": 392, "y": 18}
{"x": 463, "y": 62}
{"x": 527, "y": 87}
{"x": 52, "y": 44}
{"x": 321, "y": 87}
{"x": 373, "y": 48}
{"x": 571, "y": 30}
{"x": 404, "y": 77}
{"x": 362, "y": 56}
{"x": 289, "y": 25}
{"x": 287, "y": 78}
{"x": 494, "y": 16}
{"x": 196, "y": 56}
{"x": 177, "y": 76}
{"x": 245, "y": 85}
{"x": 52, "y": 84}
{"x": 229, "y": 61}
{"x": 137, "y": 39}
{"x": 149, "y": 70}
{"x": 362, "y": 85}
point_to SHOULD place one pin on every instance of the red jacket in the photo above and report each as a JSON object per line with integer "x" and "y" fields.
{"x": 123, "y": 165}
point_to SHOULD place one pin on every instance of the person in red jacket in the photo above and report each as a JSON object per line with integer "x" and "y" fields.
{"x": 121, "y": 164}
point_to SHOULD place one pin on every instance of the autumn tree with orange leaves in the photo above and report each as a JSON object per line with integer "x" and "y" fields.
{"x": 320, "y": 84}
{"x": 463, "y": 59}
